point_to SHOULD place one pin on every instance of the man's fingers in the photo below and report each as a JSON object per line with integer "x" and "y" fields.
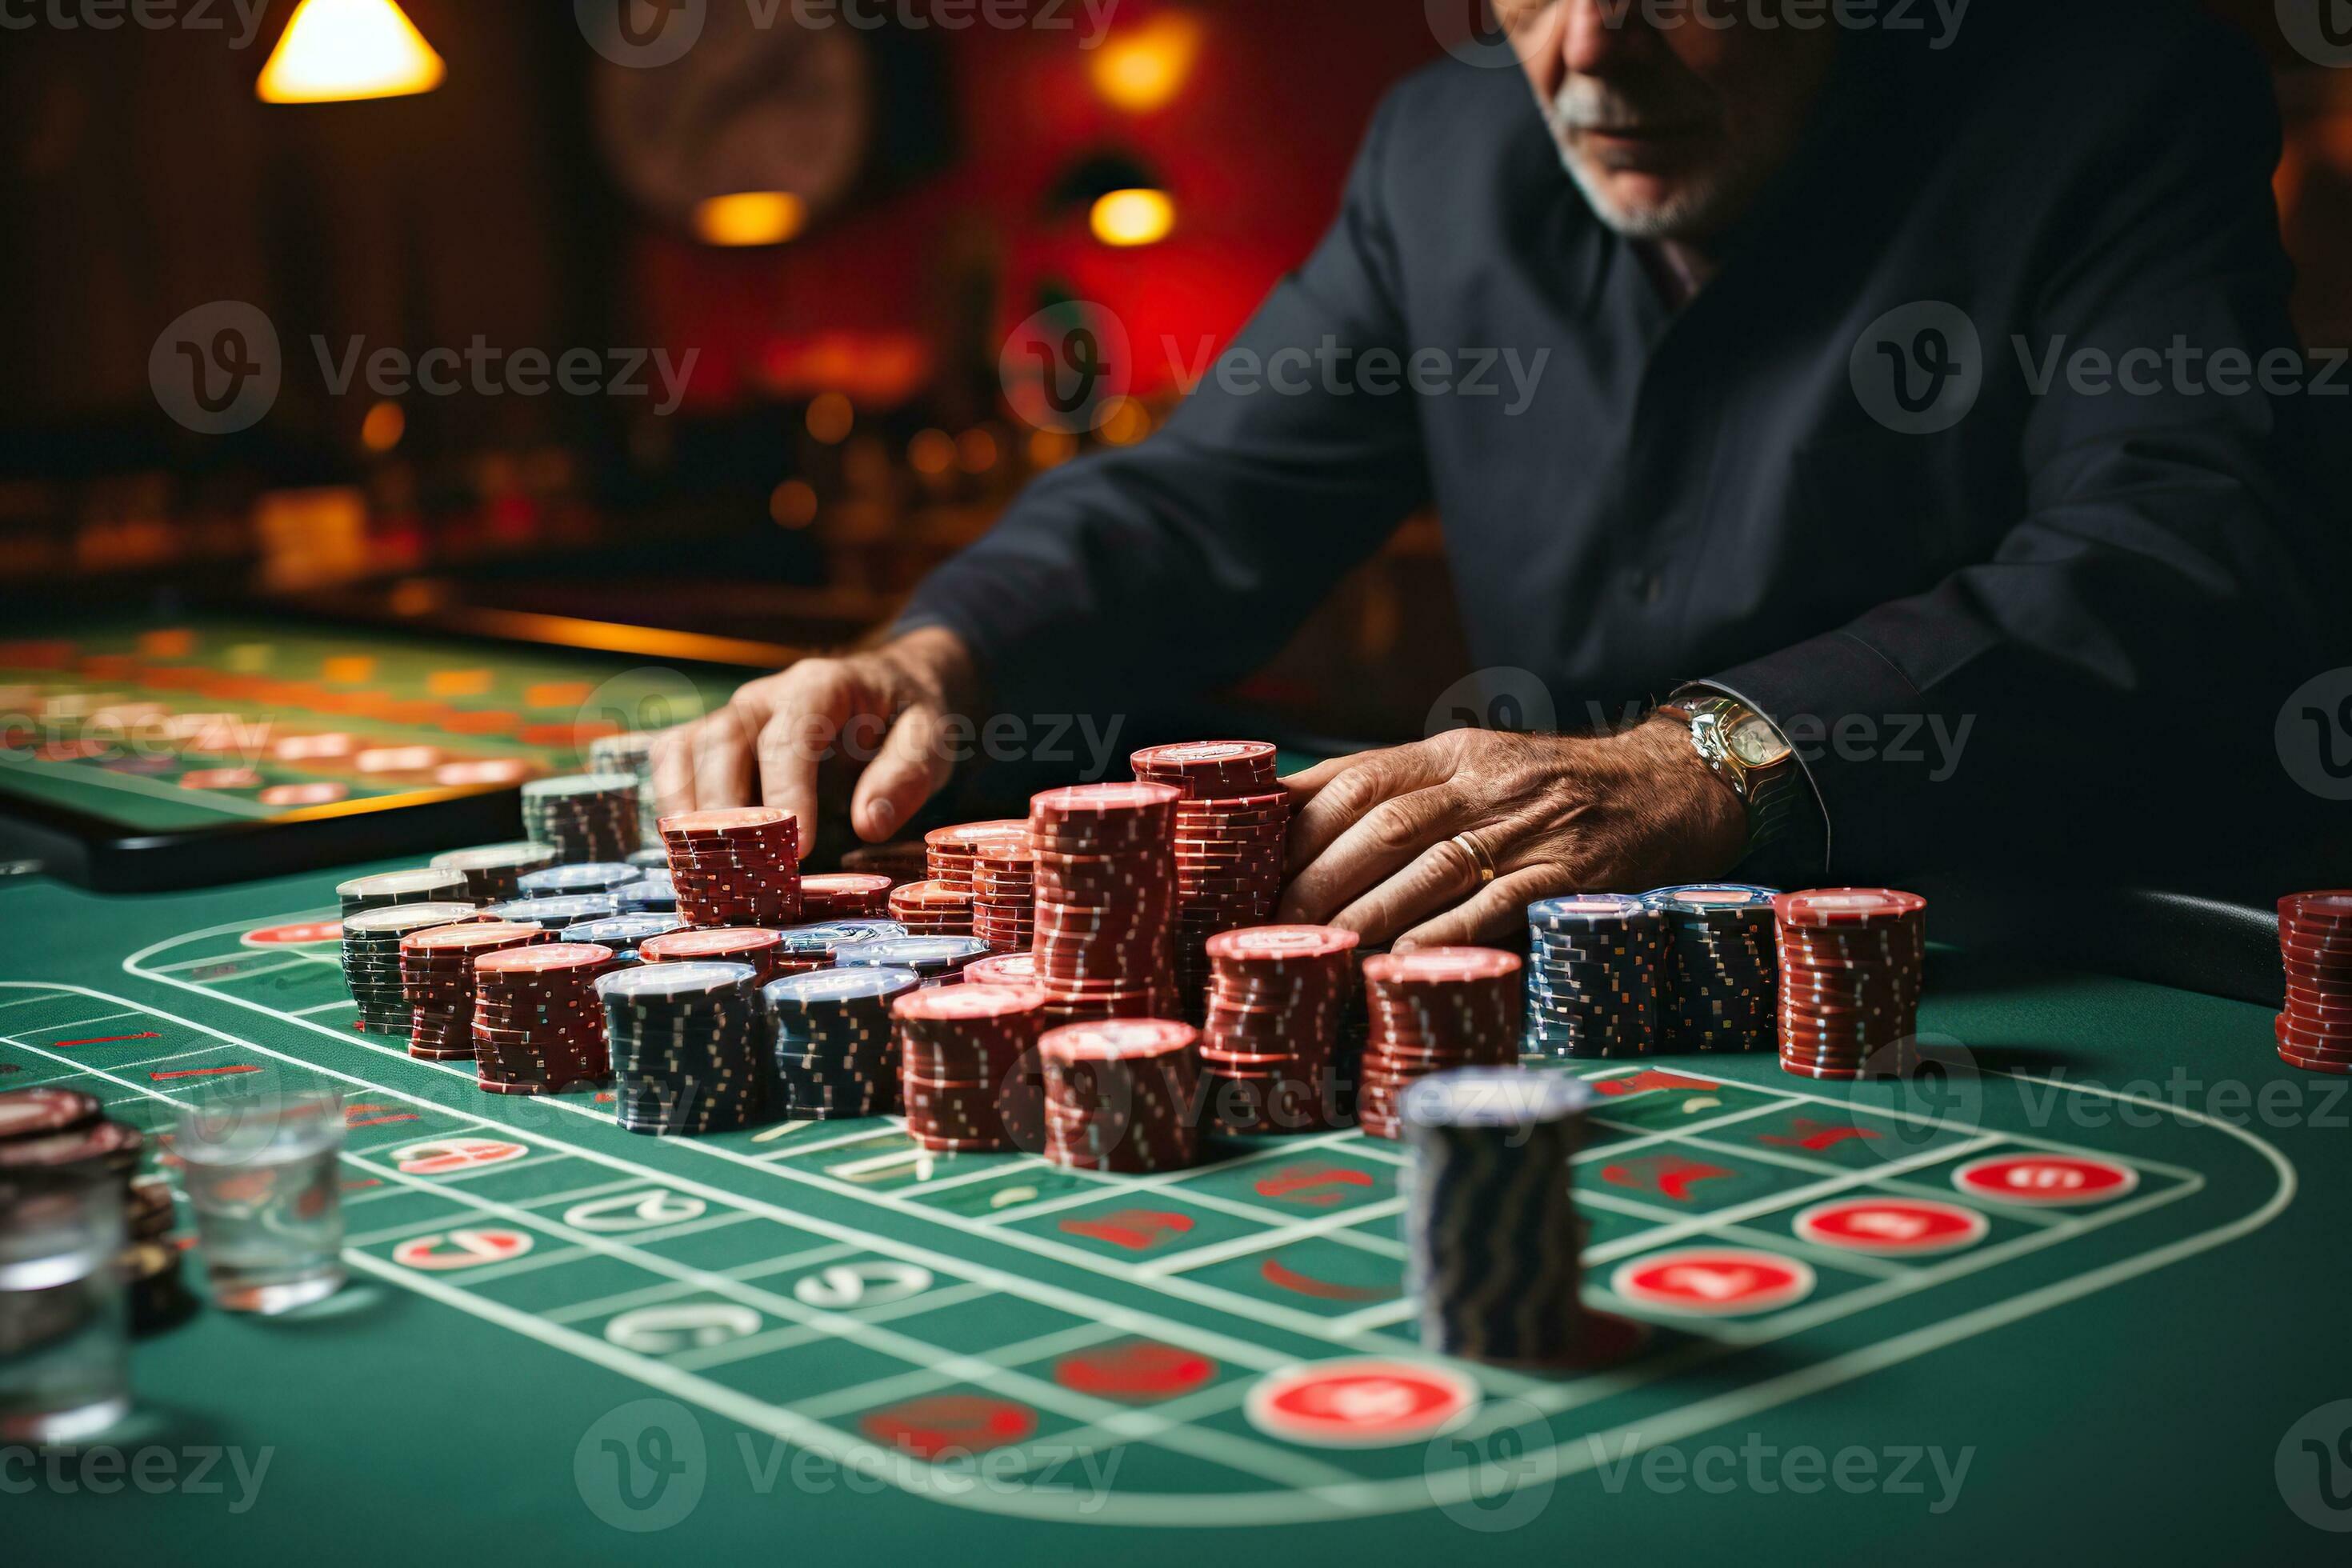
{"x": 673, "y": 768}
{"x": 1353, "y": 786}
{"x": 1489, "y": 915}
{"x": 1385, "y": 839}
{"x": 795, "y": 742}
{"x": 722, "y": 759}
{"x": 1438, "y": 877}
{"x": 911, "y": 765}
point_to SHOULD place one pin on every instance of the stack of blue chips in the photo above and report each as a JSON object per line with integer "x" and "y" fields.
{"x": 558, "y": 911}
{"x": 688, "y": 1047}
{"x": 624, "y": 934}
{"x": 835, "y": 1058}
{"x": 654, "y": 891}
{"x": 938, "y": 960}
{"x": 1596, "y": 966}
{"x": 1491, "y": 1219}
{"x": 594, "y": 877}
{"x": 1723, "y": 965}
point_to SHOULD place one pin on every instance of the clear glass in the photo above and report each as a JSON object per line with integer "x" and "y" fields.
{"x": 260, "y": 1172}
{"x": 64, "y": 1329}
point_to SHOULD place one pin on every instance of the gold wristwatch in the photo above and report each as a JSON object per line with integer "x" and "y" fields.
{"x": 1746, "y": 752}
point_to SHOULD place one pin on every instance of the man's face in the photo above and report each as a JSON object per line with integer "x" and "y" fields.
{"x": 1670, "y": 125}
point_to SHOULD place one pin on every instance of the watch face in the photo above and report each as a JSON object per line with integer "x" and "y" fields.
{"x": 1755, "y": 743}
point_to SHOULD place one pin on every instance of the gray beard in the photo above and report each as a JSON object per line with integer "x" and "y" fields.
{"x": 1698, "y": 212}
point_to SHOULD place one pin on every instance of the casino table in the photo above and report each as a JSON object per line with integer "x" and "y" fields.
{"x": 2116, "y": 1304}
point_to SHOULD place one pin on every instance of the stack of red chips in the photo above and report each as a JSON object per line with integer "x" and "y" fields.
{"x": 1106, "y": 871}
{"x": 968, "y": 1067}
{"x": 1122, "y": 1095}
{"x": 538, "y": 1026}
{"x": 1230, "y": 832}
{"x": 951, "y": 855}
{"x": 900, "y": 862}
{"x": 1002, "y": 969}
{"x": 2315, "y": 1033}
{"x": 761, "y": 948}
{"x": 931, "y": 908}
{"x": 1276, "y": 996}
{"x": 1004, "y": 896}
{"x": 1432, "y": 1011}
{"x": 1851, "y": 962}
{"x": 735, "y": 868}
{"x": 437, "y": 977}
{"x": 844, "y": 895}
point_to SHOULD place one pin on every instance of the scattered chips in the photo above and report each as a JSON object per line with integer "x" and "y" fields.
{"x": 938, "y": 960}
{"x": 557, "y": 911}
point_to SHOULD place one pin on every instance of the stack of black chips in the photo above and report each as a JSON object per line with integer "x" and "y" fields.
{"x": 1595, "y": 967}
{"x": 585, "y": 817}
{"x": 372, "y": 960}
{"x": 494, "y": 873}
{"x": 689, "y": 1047}
{"x": 835, "y": 1044}
{"x": 1722, "y": 980}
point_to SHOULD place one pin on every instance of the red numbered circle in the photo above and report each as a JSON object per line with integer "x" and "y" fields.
{"x": 2046, "y": 1180}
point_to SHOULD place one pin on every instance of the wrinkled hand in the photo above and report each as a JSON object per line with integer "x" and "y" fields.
{"x": 780, "y": 735}
{"x": 1371, "y": 838}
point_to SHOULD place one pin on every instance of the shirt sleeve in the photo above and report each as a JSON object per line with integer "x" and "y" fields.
{"x": 1184, "y": 562}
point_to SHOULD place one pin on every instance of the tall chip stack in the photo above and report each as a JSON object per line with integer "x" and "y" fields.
{"x": 689, "y": 1046}
{"x": 1270, "y": 1050}
{"x": 1004, "y": 896}
{"x": 494, "y": 873}
{"x": 1122, "y": 1095}
{"x": 425, "y": 885}
{"x": 537, "y": 1026}
{"x": 583, "y": 816}
{"x": 1722, "y": 976}
{"x": 1596, "y": 964}
{"x": 1852, "y": 961}
{"x": 1490, "y": 1215}
{"x": 1106, "y": 869}
{"x": 370, "y": 954}
{"x": 932, "y": 908}
{"x": 844, "y": 896}
{"x": 738, "y": 866}
{"x": 833, "y": 1046}
{"x": 761, "y": 949}
{"x": 631, "y": 754}
{"x": 2315, "y": 1032}
{"x": 436, "y": 972}
{"x": 969, "y": 1077}
{"x": 1431, "y": 1011}
{"x": 1232, "y": 829}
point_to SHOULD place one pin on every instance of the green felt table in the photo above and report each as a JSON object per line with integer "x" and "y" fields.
{"x": 562, "y": 1341}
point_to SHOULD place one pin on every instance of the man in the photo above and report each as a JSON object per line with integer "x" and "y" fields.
{"x": 1820, "y": 450}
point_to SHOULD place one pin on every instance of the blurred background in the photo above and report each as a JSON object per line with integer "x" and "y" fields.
{"x": 842, "y": 218}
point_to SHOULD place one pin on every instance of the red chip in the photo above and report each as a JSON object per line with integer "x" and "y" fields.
{"x": 968, "y": 1000}
{"x": 1103, "y": 799}
{"x": 553, "y": 955}
{"x": 1283, "y": 942}
{"x": 1441, "y": 965}
{"x": 1118, "y": 1039}
{"x": 1847, "y": 906}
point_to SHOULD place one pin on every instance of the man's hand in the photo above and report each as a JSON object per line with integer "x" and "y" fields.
{"x": 1372, "y": 841}
{"x": 779, "y": 736}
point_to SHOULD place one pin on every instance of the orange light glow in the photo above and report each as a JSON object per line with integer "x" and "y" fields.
{"x": 384, "y": 426}
{"x": 1051, "y": 449}
{"x": 831, "y": 418}
{"x": 932, "y": 452}
{"x": 1132, "y": 218}
{"x": 1128, "y": 422}
{"x": 1146, "y": 67}
{"x": 750, "y": 218}
{"x": 792, "y": 504}
{"x": 339, "y": 51}
{"x": 976, "y": 451}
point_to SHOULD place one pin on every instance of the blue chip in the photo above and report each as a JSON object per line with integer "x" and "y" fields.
{"x": 657, "y": 896}
{"x": 915, "y": 952}
{"x": 671, "y": 981}
{"x": 1707, "y": 898}
{"x": 568, "y": 908}
{"x": 596, "y": 878}
{"x": 630, "y": 928}
{"x": 1486, "y": 1098}
{"x": 829, "y": 936}
{"x": 872, "y": 984}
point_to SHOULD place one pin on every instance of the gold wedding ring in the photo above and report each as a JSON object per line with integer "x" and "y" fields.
{"x": 1479, "y": 857}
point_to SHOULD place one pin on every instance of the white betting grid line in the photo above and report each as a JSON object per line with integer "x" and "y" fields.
{"x": 1805, "y": 1378}
{"x": 1301, "y": 1230}
{"x": 672, "y": 1289}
